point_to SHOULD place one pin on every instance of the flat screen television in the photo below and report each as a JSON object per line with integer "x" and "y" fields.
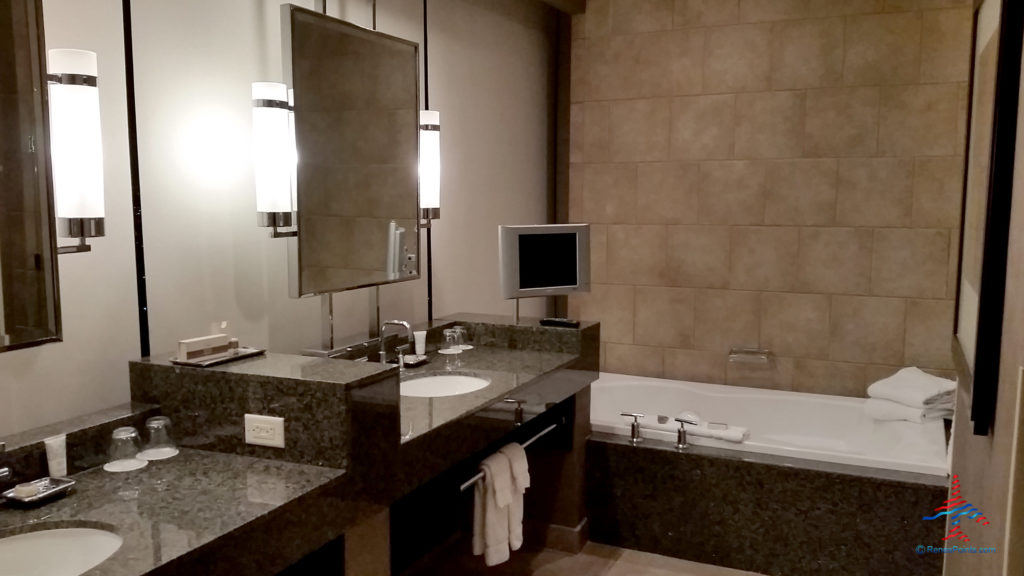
{"x": 544, "y": 260}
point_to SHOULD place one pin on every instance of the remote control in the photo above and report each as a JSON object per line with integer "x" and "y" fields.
{"x": 560, "y": 322}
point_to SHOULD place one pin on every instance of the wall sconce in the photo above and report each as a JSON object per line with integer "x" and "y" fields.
{"x": 76, "y": 147}
{"x": 430, "y": 166}
{"x": 274, "y": 157}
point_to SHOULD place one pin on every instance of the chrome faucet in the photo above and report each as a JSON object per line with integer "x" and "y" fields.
{"x": 681, "y": 442}
{"x": 634, "y": 428}
{"x": 401, "y": 349}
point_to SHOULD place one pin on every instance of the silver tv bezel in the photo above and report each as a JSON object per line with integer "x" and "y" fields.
{"x": 508, "y": 253}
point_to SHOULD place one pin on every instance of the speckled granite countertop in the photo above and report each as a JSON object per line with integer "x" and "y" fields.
{"x": 171, "y": 507}
{"x": 507, "y": 370}
{"x": 290, "y": 366}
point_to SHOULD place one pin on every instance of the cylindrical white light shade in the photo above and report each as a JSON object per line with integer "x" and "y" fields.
{"x": 273, "y": 145}
{"x": 76, "y": 142}
{"x": 430, "y": 159}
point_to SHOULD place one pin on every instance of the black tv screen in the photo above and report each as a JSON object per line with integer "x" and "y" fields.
{"x": 547, "y": 260}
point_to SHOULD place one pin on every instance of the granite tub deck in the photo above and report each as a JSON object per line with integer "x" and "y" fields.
{"x": 197, "y": 513}
{"x": 767, "y": 514}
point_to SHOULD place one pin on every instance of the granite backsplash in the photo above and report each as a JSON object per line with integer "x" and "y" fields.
{"x": 88, "y": 438}
{"x": 313, "y": 395}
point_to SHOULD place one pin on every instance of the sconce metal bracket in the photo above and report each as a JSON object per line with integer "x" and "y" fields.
{"x": 278, "y": 233}
{"x": 82, "y": 246}
{"x": 82, "y": 229}
{"x": 428, "y": 214}
{"x": 276, "y": 221}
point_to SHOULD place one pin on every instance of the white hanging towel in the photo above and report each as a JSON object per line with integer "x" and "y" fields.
{"x": 492, "y": 499}
{"x": 520, "y": 482}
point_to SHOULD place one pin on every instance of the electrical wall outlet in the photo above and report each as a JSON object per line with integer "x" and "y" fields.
{"x": 264, "y": 430}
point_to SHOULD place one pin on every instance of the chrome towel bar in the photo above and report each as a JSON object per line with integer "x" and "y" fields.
{"x": 480, "y": 476}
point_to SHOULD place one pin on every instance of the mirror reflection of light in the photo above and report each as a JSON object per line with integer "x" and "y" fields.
{"x": 212, "y": 148}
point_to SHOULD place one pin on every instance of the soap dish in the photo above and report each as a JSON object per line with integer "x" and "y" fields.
{"x": 48, "y": 489}
{"x": 414, "y": 360}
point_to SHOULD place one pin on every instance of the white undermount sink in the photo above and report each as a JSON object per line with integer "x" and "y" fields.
{"x": 435, "y": 386}
{"x": 58, "y": 552}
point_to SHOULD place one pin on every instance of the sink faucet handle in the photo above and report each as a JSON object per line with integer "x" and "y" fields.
{"x": 402, "y": 351}
{"x": 636, "y": 416}
{"x": 5, "y": 474}
{"x": 687, "y": 421}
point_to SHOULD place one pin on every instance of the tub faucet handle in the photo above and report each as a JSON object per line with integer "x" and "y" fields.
{"x": 681, "y": 442}
{"x": 634, "y": 428}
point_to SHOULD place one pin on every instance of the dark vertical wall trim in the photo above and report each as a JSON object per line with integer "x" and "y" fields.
{"x": 561, "y": 106}
{"x": 426, "y": 62}
{"x": 133, "y": 161}
{"x": 426, "y": 106}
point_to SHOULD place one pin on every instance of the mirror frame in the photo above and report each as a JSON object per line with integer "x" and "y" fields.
{"x": 296, "y": 288}
{"x": 983, "y": 380}
{"x": 45, "y": 177}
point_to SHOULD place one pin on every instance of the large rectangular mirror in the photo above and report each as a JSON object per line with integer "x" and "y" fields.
{"x": 30, "y": 313}
{"x": 356, "y": 103}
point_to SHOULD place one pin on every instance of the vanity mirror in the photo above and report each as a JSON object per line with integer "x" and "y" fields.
{"x": 30, "y": 314}
{"x": 356, "y": 106}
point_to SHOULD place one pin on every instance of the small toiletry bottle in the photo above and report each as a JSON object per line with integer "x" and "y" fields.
{"x": 56, "y": 455}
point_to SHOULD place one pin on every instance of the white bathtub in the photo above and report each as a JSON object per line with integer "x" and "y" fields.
{"x": 795, "y": 424}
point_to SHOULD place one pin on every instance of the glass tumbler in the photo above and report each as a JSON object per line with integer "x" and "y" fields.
{"x": 451, "y": 342}
{"x": 463, "y": 338}
{"x": 160, "y": 445}
{"x": 124, "y": 451}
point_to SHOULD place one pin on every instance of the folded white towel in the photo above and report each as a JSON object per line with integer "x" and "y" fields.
{"x": 914, "y": 387}
{"x": 520, "y": 482}
{"x": 888, "y": 410}
{"x": 730, "y": 434}
{"x": 492, "y": 497}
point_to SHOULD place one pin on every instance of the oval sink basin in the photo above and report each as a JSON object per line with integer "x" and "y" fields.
{"x": 59, "y": 552}
{"x": 442, "y": 385}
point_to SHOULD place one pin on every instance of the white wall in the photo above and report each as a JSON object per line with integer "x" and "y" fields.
{"x": 490, "y": 79}
{"x": 88, "y": 371}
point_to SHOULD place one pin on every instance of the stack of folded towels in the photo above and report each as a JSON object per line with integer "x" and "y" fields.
{"x": 912, "y": 395}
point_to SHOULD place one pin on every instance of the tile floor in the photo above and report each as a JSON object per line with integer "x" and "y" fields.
{"x": 594, "y": 560}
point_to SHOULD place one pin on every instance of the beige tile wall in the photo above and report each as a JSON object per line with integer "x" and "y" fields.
{"x": 774, "y": 173}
